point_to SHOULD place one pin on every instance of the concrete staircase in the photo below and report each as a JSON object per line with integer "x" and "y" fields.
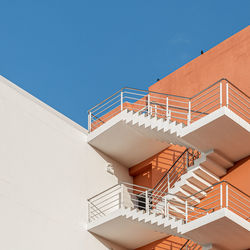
{"x": 158, "y": 128}
{"x": 205, "y": 172}
{"x": 156, "y": 221}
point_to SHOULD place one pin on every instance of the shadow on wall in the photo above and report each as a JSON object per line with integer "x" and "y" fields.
{"x": 108, "y": 244}
{"x": 114, "y": 168}
{"x": 150, "y": 171}
{"x": 171, "y": 242}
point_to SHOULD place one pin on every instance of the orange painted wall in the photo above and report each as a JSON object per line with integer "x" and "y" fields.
{"x": 229, "y": 59}
{"x": 239, "y": 175}
{"x": 171, "y": 242}
{"x": 149, "y": 172}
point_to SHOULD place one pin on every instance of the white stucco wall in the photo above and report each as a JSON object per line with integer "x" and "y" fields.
{"x": 47, "y": 171}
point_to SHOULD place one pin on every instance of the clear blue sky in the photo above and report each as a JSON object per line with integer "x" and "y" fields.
{"x": 72, "y": 54}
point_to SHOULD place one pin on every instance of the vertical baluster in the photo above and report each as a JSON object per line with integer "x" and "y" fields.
{"x": 226, "y": 195}
{"x": 186, "y": 211}
{"x": 189, "y": 113}
{"x": 167, "y": 107}
{"x": 89, "y": 121}
{"x": 149, "y": 107}
{"x": 227, "y": 97}
{"x": 221, "y": 195}
{"x": 121, "y": 100}
{"x": 220, "y": 94}
{"x": 147, "y": 201}
{"x": 121, "y": 197}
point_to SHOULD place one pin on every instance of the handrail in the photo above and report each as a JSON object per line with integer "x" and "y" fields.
{"x": 96, "y": 207}
{"x": 130, "y": 195}
{"x": 215, "y": 184}
{"x": 184, "y": 244}
{"x": 170, "y": 168}
{"x": 184, "y": 97}
{"x": 236, "y": 87}
{"x": 102, "y": 192}
{"x": 171, "y": 107}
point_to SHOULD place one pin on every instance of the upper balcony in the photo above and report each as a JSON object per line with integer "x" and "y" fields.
{"x": 132, "y": 124}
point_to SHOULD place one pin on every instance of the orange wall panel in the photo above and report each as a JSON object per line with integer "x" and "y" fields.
{"x": 239, "y": 175}
{"x": 149, "y": 172}
{"x": 229, "y": 59}
{"x": 171, "y": 242}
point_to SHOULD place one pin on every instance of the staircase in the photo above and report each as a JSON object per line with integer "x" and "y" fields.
{"x": 161, "y": 129}
{"x": 190, "y": 245}
{"x": 156, "y": 221}
{"x": 191, "y": 173}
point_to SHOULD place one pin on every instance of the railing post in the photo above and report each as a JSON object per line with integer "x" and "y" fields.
{"x": 88, "y": 212}
{"x": 227, "y": 96}
{"x": 165, "y": 206}
{"x": 186, "y": 211}
{"x": 121, "y": 197}
{"x": 149, "y": 107}
{"x": 220, "y": 94}
{"x": 167, "y": 107}
{"x": 187, "y": 159}
{"x": 89, "y": 121}
{"x": 121, "y": 100}
{"x": 189, "y": 113}
{"x": 226, "y": 195}
{"x": 169, "y": 115}
{"x": 221, "y": 196}
{"x": 168, "y": 183}
{"x": 147, "y": 201}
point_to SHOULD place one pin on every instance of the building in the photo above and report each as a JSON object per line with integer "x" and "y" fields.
{"x": 164, "y": 168}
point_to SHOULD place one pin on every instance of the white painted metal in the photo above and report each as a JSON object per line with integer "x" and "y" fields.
{"x": 203, "y": 103}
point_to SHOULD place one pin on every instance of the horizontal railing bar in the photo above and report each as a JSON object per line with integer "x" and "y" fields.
{"x": 238, "y": 111}
{"x": 240, "y": 202}
{"x": 106, "y": 103}
{"x": 230, "y": 94}
{"x": 133, "y": 93}
{"x": 206, "y": 94}
{"x": 193, "y": 106}
{"x": 106, "y": 194}
{"x": 240, "y": 107}
{"x": 200, "y": 108}
{"x": 238, "y": 94}
{"x": 204, "y": 112}
{"x": 103, "y": 192}
{"x": 208, "y": 88}
{"x": 230, "y": 189}
{"x": 239, "y": 212}
{"x": 105, "y": 100}
{"x": 108, "y": 107}
{"x": 237, "y": 88}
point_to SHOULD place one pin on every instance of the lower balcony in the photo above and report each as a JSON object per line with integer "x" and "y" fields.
{"x": 133, "y": 216}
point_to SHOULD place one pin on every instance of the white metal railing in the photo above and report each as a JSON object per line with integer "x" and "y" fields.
{"x": 219, "y": 195}
{"x": 186, "y": 209}
{"x": 171, "y": 107}
{"x": 180, "y": 166}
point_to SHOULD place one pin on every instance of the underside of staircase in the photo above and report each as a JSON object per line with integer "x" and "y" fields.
{"x": 149, "y": 134}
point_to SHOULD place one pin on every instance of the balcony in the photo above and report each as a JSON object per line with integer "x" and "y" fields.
{"x": 215, "y": 118}
{"x": 133, "y": 216}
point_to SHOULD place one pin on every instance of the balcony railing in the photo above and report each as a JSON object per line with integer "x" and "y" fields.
{"x": 182, "y": 109}
{"x": 213, "y": 198}
{"x": 180, "y": 167}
